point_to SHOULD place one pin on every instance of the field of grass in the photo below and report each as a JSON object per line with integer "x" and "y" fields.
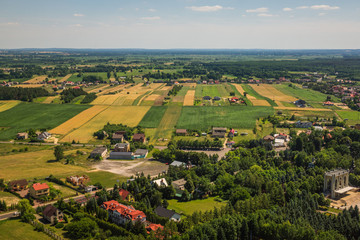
{"x": 153, "y": 117}
{"x": 107, "y": 179}
{"x": 168, "y": 122}
{"x": 6, "y": 105}
{"x": 190, "y": 207}
{"x": 352, "y": 116}
{"x": 14, "y": 229}
{"x": 249, "y": 90}
{"x": 207, "y": 90}
{"x": 10, "y": 149}
{"x": 74, "y": 78}
{"x": 35, "y": 115}
{"x": 128, "y": 115}
{"x": 305, "y": 94}
{"x": 8, "y": 198}
{"x": 226, "y": 116}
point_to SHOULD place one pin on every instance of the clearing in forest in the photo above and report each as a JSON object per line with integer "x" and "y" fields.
{"x": 127, "y": 115}
{"x": 78, "y": 120}
{"x": 189, "y": 98}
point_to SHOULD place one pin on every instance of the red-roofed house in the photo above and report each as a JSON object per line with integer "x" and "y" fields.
{"x": 126, "y": 196}
{"x": 234, "y": 99}
{"x": 38, "y": 190}
{"x": 153, "y": 227}
{"x": 121, "y": 214}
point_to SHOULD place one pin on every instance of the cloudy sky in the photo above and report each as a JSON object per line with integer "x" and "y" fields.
{"x": 162, "y": 24}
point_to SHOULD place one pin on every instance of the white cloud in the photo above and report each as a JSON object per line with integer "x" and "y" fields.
{"x": 324, "y": 7}
{"x": 303, "y": 7}
{"x": 151, "y": 18}
{"x": 322, "y": 14}
{"x": 287, "y": 9}
{"x": 152, "y": 10}
{"x": 77, "y": 25}
{"x": 266, "y": 15}
{"x": 258, "y": 10}
{"x": 206, "y": 8}
{"x": 78, "y": 15}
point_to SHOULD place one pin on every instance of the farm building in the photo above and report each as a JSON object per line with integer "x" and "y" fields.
{"x": 231, "y": 133}
{"x": 160, "y": 182}
{"x": 51, "y": 213}
{"x": 216, "y": 98}
{"x": 90, "y": 188}
{"x": 166, "y": 213}
{"x": 122, "y": 147}
{"x": 43, "y": 136}
{"x": 181, "y": 132}
{"x": 177, "y": 164}
{"x": 141, "y": 153}
{"x": 18, "y": 185}
{"x": 234, "y": 99}
{"x": 121, "y": 155}
{"x": 328, "y": 103}
{"x": 38, "y": 190}
{"x": 22, "y": 135}
{"x": 139, "y": 137}
{"x": 219, "y": 132}
{"x": 300, "y": 103}
{"x": 100, "y": 151}
{"x": 117, "y": 137}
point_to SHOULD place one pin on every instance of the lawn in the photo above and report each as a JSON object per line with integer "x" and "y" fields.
{"x": 190, "y": 207}
{"x": 153, "y": 117}
{"x": 107, "y": 179}
{"x": 8, "y": 198}
{"x": 243, "y": 117}
{"x": 14, "y": 229}
{"x": 37, "y": 116}
{"x": 352, "y": 116}
{"x": 206, "y": 90}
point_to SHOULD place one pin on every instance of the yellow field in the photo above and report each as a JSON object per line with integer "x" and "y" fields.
{"x": 65, "y": 78}
{"x": 128, "y": 115}
{"x": 304, "y": 109}
{"x": 152, "y": 97}
{"x": 6, "y": 105}
{"x": 269, "y": 91}
{"x": 189, "y": 98}
{"x": 112, "y": 89}
{"x": 37, "y": 79}
{"x": 259, "y": 102}
{"x": 191, "y": 85}
{"x": 96, "y": 90}
{"x": 239, "y": 88}
{"x": 50, "y": 99}
{"x": 29, "y": 85}
{"x": 166, "y": 88}
{"x": 78, "y": 120}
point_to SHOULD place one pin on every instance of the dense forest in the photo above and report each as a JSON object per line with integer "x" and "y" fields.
{"x": 22, "y": 94}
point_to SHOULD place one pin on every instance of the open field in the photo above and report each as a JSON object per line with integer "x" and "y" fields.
{"x": 207, "y": 90}
{"x": 6, "y": 105}
{"x": 253, "y": 95}
{"x": 98, "y": 88}
{"x": 15, "y": 229}
{"x": 113, "y": 114}
{"x": 189, "y": 98}
{"x": 153, "y": 117}
{"x": 352, "y": 116}
{"x": 260, "y": 102}
{"x": 50, "y": 99}
{"x": 270, "y": 92}
{"x": 65, "y": 78}
{"x": 29, "y": 85}
{"x": 8, "y": 198}
{"x": 37, "y": 79}
{"x": 168, "y": 122}
{"x": 254, "y": 101}
{"x": 107, "y": 99}
{"x": 36, "y": 115}
{"x": 112, "y": 89}
{"x": 107, "y": 179}
{"x": 226, "y": 116}
{"x": 190, "y": 207}
{"x": 78, "y": 120}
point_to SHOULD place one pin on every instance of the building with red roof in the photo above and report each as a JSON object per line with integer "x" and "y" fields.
{"x": 38, "y": 190}
{"x": 121, "y": 214}
{"x": 126, "y": 196}
{"x": 154, "y": 227}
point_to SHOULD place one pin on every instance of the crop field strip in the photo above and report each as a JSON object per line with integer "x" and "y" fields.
{"x": 113, "y": 114}
{"x": 189, "y": 98}
{"x": 50, "y": 99}
{"x": 153, "y": 117}
{"x": 111, "y": 89}
{"x": 270, "y": 92}
{"x": 28, "y": 85}
{"x": 148, "y": 93}
{"x": 6, "y": 105}
{"x": 168, "y": 122}
{"x": 37, "y": 79}
{"x": 256, "y": 98}
{"x": 239, "y": 92}
{"x": 65, "y": 78}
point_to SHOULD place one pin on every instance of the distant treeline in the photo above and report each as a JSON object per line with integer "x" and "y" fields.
{"x": 22, "y": 94}
{"x": 89, "y": 98}
{"x": 69, "y": 94}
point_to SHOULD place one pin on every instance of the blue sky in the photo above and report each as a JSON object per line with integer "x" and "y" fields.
{"x": 244, "y": 24}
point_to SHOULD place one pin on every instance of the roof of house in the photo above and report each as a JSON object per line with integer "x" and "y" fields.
{"x": 163, "y": 212}
{"x": 181, "y": 131}
{"x": 123, "y": 194}
{"x": 40, "y": 186}
{"x": 119, "y": 154}
{"x": 21, "y": 182}
{"x": 121, "y": 145}
{"x": 235, "y": 98}
{"x": 117, "y": 136}
{"x": 180, "y": 182}
{"x": 217, "y": 98}
{"x": 219, "y": 129}
{"x": 160, "y": 182}
{"x": 99, "y": 150}
{"x": 138, "y": 136}
{"x": 141, "y": 152}
{"x": 49, "y": 210}
{"x": 268, "y": 137}
{"x": 177, "y": 164}
{"x": 154, "y": 227}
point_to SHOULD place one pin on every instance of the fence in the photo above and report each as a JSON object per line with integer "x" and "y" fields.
{"x": 46, "y": 230}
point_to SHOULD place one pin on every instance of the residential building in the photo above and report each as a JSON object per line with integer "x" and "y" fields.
{"x": 206, "y": 98}
{"x": 166, "y": 213}
{"x": 126, "y": 195}
{"x": 154, "y": 227}
{"x": 141, "y": 153}
{"x": 181, "y": 132}
{"x": 139, "y": 137}
{"x": 99, "y": 151}
{"x": 38, "y": 190}
{"x": 160, "y": 182}
{"x": 53, "y": 214}
{"x": 122, "y": 147}
{"x": 117, "y": 137}
{"x": 18, "y": 185}
{"x": 179, "y": 186}
{"x": 121, "y": 214}
{"x": 177, "y": 164}
{"x": 22, "y": 136}
{"x": 300, "y": 124}
{"x": 44, "y": 136}
{"x": 219, "y": 132}
{"x": 78, "y": 180}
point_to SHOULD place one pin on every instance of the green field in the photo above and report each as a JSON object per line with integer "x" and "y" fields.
{"x": 247, "y": 88}
{"x": 305, "y": 94}
{"x": 226, "y": 116}
{"x": 153, "y": 117}
{"x": 35, "y": 115}
{"x": 190, "y": 207}
{"x": 14, "y": 230}
{"x": 352, "y": 116}
{"x": 107, "y": 179}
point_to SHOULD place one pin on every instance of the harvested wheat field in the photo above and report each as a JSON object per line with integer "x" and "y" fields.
{"x": 304, "y": 109}
{"x": 29, "y": 85}
{"x": 239, "y": 88}
{"x": 65, "y": 78}
{"x": 50, "y": 99}
{"x": 189, "y": 98}
{"x": 37, "y": 79}
{"x": 106, "y": 99}
{"x": 259, "y": 102}
{"x": 269, "y": 91}
{"x": 6, "y": 105}
{"x": 152, "y": 97}
{"x": 191, "y": 85}
{"x": 166, "y": 88}
{"x": 112, "y": 114}
{"x": 112, "y": 89}
{"x": 96, "y": 90}
{"x": 78, "y": 120}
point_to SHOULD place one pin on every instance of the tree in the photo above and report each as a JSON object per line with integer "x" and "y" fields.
{"x": 185, "y": 196}
{"x": 59, "y": 152}
{"x": 189, "y": 185}
{"x": 26, "y": 210}
{"x": 82, "y": 229}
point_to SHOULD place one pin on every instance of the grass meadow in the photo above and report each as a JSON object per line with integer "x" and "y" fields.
{"x": 35, "y": 115}
{"x": 153, "y": 117}
{"x": 15, "y": 229}
{"x": 190, "y": 207}
{"x": 226, "y": 116}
